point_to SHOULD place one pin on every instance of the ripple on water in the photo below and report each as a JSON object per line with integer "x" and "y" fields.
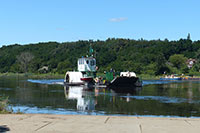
{"x": 162, "y": 99}
{"x": 47, "y": 81}
{"x": 150, "y": 82}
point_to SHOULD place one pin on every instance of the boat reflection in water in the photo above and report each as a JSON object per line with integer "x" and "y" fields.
{"x": 87, "y": 98}
{"x": 85, "y": 101}
{"x": 126, "y": 90}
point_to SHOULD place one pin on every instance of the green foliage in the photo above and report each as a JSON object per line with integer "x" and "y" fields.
{"x": 141, "y": 56}
{"x": 197, "y": 55}
{"x": 4, "y": 105}
{"x": 64, "y": 66}
{"x": 173, "y": 70}
{"x": 178, "y": 60}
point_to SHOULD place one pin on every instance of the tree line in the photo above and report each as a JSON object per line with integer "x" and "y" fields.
{"x": 152, "y": 57}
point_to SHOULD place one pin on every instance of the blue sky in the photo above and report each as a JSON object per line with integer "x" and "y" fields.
{"x": 32, "y": 21}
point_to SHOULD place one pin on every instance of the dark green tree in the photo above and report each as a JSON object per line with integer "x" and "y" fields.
{"x": 178, "y": 60}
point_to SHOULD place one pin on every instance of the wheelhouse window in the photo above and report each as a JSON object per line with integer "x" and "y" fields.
{"x": 81, "y": 61}
{"x": 92, "y": 62}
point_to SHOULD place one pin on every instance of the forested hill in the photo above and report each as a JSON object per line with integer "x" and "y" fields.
{"x": 141, "y": 56}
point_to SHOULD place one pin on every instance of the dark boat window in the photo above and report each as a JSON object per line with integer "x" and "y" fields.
{"x": 87, "y": 62}
{"x": 92, "y": 62}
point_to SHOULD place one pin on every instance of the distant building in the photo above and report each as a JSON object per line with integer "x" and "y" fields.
{"x": 190, "y": 62}
{"x": 44, "y": 69}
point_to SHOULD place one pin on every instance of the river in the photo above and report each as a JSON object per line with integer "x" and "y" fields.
{"x": 156, "y": 98}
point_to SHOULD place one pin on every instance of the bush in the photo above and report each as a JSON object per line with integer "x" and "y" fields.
{"x": 4, "y": 105}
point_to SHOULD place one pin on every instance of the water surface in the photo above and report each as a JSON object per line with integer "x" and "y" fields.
{"x": 155, "y": 98}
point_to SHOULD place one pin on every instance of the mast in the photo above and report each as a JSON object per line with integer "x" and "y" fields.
{"x": 91, "y": 51}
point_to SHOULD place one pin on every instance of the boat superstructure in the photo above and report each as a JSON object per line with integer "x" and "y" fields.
{"x": 85, "y": 74}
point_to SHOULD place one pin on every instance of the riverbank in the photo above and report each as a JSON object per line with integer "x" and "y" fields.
{"x": 61, "y": 76}
{"x": 33, "y": 75}
{"x": 87, "y": 123}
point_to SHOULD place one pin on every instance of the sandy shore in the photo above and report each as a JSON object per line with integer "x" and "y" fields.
{"x": 98, "y": 124}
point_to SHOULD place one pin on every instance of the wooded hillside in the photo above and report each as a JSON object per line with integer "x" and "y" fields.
{"x": 152, "y": 57}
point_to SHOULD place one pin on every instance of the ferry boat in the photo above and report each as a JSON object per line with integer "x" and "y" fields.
{"x": 86, "y": 75}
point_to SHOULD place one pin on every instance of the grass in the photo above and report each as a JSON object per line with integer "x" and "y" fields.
{"x": 148, "y": 77}
{"x": 33, "y": 76}
{"x": 45, "y": 76}
{"x": 4, "y": 109}
{"x": 4, "y": 106}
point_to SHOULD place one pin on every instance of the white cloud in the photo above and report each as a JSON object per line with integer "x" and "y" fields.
{"x": 118, "y": 19}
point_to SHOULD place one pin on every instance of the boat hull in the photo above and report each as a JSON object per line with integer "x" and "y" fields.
{"x": 86, "y": 79}
{"x": 170, "y": 78}
{"x": 125, "y": 82}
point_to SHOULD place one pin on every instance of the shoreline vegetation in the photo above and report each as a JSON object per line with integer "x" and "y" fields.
{"x": 4, "y": 108}
{"x": 33, "y": 75}
{"x": 61, "y": 76}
